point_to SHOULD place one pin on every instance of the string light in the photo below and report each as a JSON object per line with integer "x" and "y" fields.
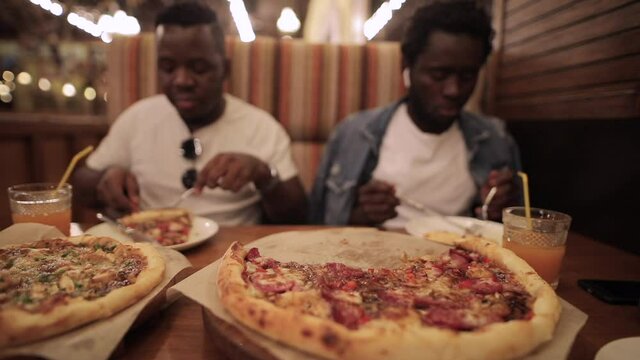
{"x": 4, "y": 89}
{"x": 90, "y": 93}
{"x": 8, "y": 75}
{"x": 119, "y": 23}
{"x": 106, "y": 37}
{"x": 24, "y": 78}
{"x": 107, "y": 25}
{"x": 288, "y": 22}
{"x": 44, "y": 84}
{"x": 68, "y": 90}
{"x": 381, "y": 17}
{"x": 241, "y": 18}
{"x": 6, "y": 98}
{"x": 53, "y": 7}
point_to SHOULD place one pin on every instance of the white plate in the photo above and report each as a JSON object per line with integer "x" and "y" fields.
{"x": 420, "y": 225}
{"x": 621, "y": 349}
{"x": 201, "y": 230}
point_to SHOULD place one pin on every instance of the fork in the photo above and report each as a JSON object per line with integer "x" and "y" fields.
{"x": 183, "y": 196}
{"x": 472, "y": 229}
{"x": 136, "y": 235}
{"x": 487, "y": 201}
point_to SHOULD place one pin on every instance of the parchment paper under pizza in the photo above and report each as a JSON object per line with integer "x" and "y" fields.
{"x": 359, "y": 247}
{"x": 464, "y": 303}
{"x": 56, "y": 290}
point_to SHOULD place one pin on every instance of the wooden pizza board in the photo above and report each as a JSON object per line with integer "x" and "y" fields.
{"x": 231, "y": 341}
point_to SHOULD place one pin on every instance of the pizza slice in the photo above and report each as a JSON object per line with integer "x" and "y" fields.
{"x": 463, "y": 304}
{"x": 51, "y": 286}
{"x": 167, "y": 226}
{"x": 445, "y": 237}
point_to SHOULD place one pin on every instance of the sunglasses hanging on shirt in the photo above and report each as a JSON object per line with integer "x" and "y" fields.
{"x": 190, "y": 149}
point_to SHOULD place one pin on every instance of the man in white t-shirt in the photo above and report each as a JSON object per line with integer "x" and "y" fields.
{"x": 422, "y": 152}
{"x": 235, "y": 156}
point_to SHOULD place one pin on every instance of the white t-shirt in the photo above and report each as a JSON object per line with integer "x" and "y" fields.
{"x": 432, "y": 169}
{"x": 146, "y": 139}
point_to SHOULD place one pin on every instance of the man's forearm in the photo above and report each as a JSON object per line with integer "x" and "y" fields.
{"x": 85, "y": 182}
{"x": 286, "y": 203}
{"x": 358, "y": 217}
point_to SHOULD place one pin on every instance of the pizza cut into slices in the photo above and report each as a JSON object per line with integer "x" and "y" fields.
{"x": 475, "y": 301}
{"x": 166, "y": 226}
{"x": 445, "y": 237}
{"x": 451, "y": 238}
{"x": 51, "y": 286}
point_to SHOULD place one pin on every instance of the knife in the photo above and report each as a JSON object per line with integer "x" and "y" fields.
{"x": 135, "y": 234}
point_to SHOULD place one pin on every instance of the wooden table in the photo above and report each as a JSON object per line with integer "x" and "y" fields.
{"x": 178, "y": 331}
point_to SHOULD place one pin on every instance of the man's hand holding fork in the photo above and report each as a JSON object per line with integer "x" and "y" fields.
{"x": 498, "y": 192}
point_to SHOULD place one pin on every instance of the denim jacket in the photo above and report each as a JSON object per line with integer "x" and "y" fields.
{"x": 353, "y": 150}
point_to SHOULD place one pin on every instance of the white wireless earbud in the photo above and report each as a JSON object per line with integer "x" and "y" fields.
{"x": 406, "y": 78}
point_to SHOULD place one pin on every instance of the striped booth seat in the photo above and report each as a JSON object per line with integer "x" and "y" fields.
{"x": 308, "y": 87}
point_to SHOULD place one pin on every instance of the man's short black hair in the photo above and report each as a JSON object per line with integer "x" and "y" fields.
{"x": 457, "y": 17}
{"x": 186, "y": 14}
{"x": 192, "y": 13}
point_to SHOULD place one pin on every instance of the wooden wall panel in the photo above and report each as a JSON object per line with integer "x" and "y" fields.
{"x": 56, "y": 154}
{"x": 568, "y": 60}
{"x": 39, "y": 149}
{"x": 14, "y": 167}
{"x": 614, "y": 104}
{"x": 534, "y": 11}
{"x": 607, "y": 48}
{"x": 580, "y": 13}
{"x": 567, "y": 81}
{"x": 518, "y": 5}
{"x": 586, "y": 28}
{"x": 613, "y": 71}
{"x": 587, "y": 169}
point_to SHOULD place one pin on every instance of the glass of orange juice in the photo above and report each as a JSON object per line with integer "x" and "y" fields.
{"x": 540, "y": 240}
{"x": 41, "y": 203}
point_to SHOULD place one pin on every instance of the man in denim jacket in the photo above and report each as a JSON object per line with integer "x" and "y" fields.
{"x": 423, "y": 149}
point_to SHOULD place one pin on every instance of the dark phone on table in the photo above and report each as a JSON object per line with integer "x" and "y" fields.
{"x": 613, "y": 291}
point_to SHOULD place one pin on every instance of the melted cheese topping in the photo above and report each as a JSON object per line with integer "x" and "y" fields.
{"x": 35, "y": 277}
{"x": 460, "y": 290}
{"x": 166, "y": 231}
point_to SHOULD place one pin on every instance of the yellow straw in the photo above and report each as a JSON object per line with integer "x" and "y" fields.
{"x": 525, "y": 189}
{"x": 72, "y": 165}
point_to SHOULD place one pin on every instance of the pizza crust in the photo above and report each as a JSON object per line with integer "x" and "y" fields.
{"x": 147, "y": 222}
{"x": 385, "y": 339}
{"x": 445, "y": 237}
{"x": 546, "y": 307}
{"x": 19, "y": 326}
{"x": 152, "y": 214}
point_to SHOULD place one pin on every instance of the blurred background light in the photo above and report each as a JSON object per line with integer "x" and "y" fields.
{"x": 241, "y": 19}
{"x": 6, "y": 98}
{"x": 4, "y": 89}
{"x": 44, "y": 84}
{"x": 68, "y": 90}
{"x": 24, "y": 78}
{"x": 8, "y": 75}
{"x": 288, "y": 22}
{"x": 90, "y": 93}
{"x": 380, "y": 18}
